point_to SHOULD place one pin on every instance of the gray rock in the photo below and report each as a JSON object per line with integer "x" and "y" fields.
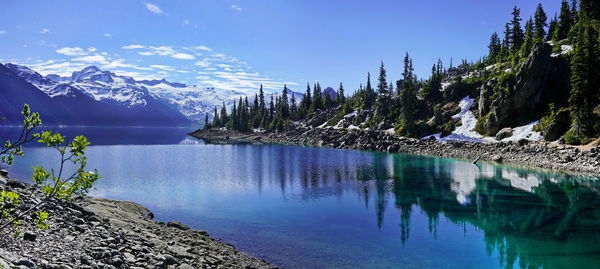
{"x": 178, "y": 225}
{"x": 504, "y": 133}
{"x": 170, "y": 260}
{"x": 25, "y": 262}
{"x": 497, "y": 158}
{"x": 29, "y": 236}
{"x": 558, "y": 126}
{"x": 185, "y": 266}
{"x": 15, "y": 184}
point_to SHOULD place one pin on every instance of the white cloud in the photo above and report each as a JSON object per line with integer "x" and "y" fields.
{"x": 236, "y": 8}
{"x": 132, "y": 47}
{"x": 45, "y": 31}
{"x": 185, "y": 22}
{"x": 203, "y": 63}
{"x": 91, "y": 49}
{"x": 163, "y": 67}
{"x": 153, "y": 8}
{"x": 183, "y": 56}
{"x": 3, "y": 32}
{"x": 92, "y": 59}
{"x": 107, "y": 35}
{"x": 71, "y": 51}
{"x": 205, "y": 48}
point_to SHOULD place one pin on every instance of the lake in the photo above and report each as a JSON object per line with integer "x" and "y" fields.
{"x": 301, "y": 207}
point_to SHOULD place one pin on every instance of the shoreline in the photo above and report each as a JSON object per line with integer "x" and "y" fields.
{"x": 559, "y": 158}
{"x": 92, "y": 232}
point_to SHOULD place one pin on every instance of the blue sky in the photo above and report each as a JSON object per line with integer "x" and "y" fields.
{"x": 241, "y": 43}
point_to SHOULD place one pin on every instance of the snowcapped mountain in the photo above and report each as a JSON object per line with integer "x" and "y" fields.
{"x": 192, "y": 101}
{"x": 90, "y": 97}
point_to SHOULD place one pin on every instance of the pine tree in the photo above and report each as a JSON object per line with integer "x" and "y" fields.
{"x": 517, "y": 37}
{"x": 564, "y": 23}
{"x": 574, "y": 12}
{"x": 271, "y": 109}
{"x": 216, "y": 121}
{"x": 293, "y": 107}
{"x": 261, "y": 99}
{"x": 284, "y": 103}
{"x": 408, "y": 100}
{"x": 529, "y": 38}
{"x": 540, "y": 23}
{"x": 341, "y": 97}
{"x": 368, "y": 94}
{"x": 494, "y": 47}
{"x": 585, "y": 79}
{"x": 307, "y": 100}
{"x": 552, "y": 27}
{"x": 383, "y": 99}
{"x": 206, "y": 124}
{"x": 233, "y": 119}
{"x": 317, "y": 102}
{"x": 224, "y": 118}
{"x": 328, "y": 102}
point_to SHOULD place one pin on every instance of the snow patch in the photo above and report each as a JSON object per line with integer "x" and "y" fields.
{"x": 524, "y": 132}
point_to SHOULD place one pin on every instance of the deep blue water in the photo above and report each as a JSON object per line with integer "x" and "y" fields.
{"x": 301, "y": 207}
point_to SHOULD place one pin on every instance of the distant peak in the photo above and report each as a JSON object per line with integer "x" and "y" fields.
{"x": 91, "y": 68}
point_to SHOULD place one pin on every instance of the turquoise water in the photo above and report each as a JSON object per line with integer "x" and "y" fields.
{"x": 301, "y": 207}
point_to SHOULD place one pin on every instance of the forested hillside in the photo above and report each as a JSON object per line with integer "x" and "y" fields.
{"x": 543, "y": 71}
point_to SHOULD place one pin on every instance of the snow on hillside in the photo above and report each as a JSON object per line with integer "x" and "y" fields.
{"x": 466, "y": 131}
{"x": 468, "y": 121}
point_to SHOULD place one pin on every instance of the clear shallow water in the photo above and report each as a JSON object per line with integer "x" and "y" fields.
{"x": 325, "y": 208}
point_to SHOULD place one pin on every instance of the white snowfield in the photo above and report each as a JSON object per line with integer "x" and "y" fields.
{"x": 466, "y": 132}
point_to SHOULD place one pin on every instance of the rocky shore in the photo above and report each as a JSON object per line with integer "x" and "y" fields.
{"x": 101, "y": 233}
{"x": 522, "y": 153}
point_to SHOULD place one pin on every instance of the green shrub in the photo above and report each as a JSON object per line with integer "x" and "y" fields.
{"x": 62, "y": 184}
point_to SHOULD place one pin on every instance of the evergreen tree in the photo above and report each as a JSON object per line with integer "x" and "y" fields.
{"x": 494, "y": 47}
{"x": 383, "y": 99}
{"x": 564, "y": 23}
{"x": 408, "y": 100}
{"x": 224, "y": 118}
{"x": 307, "y": 100}
{"x": 233, "y": 119}
{"x": 341, "y": 95}
{"x": 293, "y": 107}
{"x": 540, "y": 19}
{"x": 328, "y": 102}
{"x": 317, "y": 102}
{"x": 517, "y": 37}
{"x": 574, "y": 12}
{"x": 585, "y": 79}
{"x": 529, "y": 38}
{"x": 552, "y": 27}
{"x": 284, "y": 103}
{"x": 368, "y": 95}
{"x": 206, "y": 124}
{"x": 216, "y": 121}
{"x": 261, "y": 99}
{"x": 271, "y": 109}
{"x": 432, "y": 88}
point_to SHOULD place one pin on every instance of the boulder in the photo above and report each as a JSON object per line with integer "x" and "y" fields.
{"x": 178, "y": 225}
{"x": 504, "y": 133}
{"x": 558, "y": 126}
{"x": 497, "y": 158}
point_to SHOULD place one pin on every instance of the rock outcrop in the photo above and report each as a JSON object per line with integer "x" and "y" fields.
{"x": 540, "y": 80}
